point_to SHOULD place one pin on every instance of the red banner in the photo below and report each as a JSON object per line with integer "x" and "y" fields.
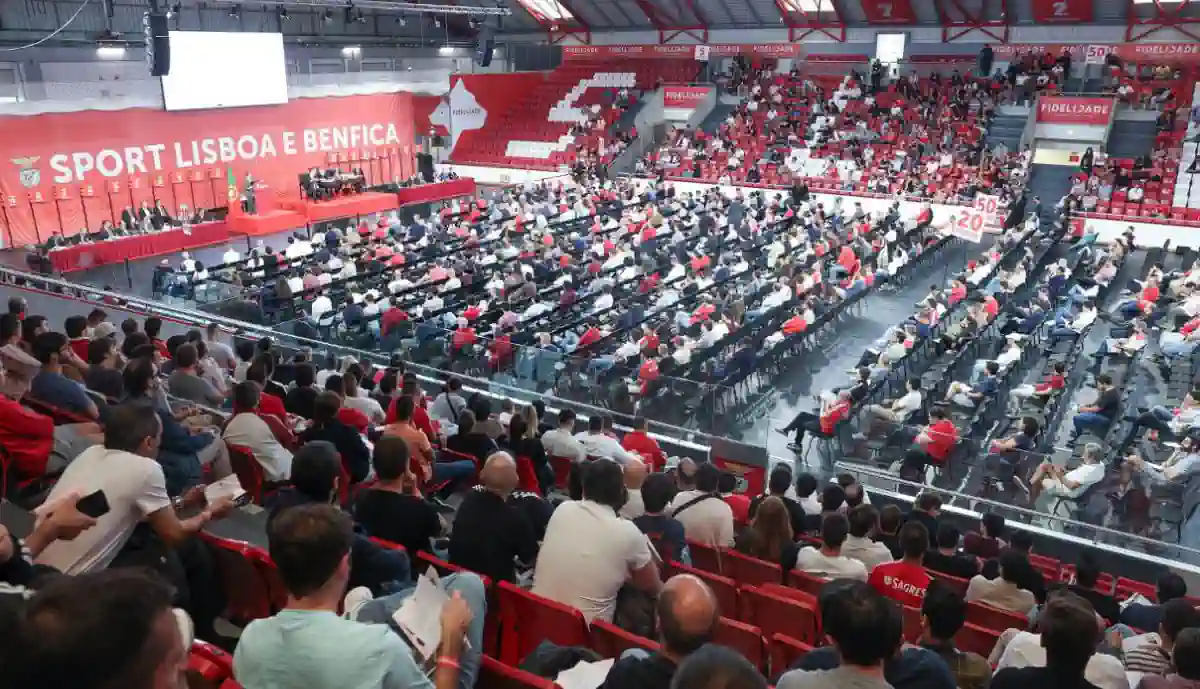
{"x": 1062, "y": 11}
{"x": 479, "y": 103}
{"x": 889, "y": 11}
{"x": 591, "y": 52}
{"x": 1173, "y": 53}
{"x": 1074, "y": 110}
{"x": 684, "y": 96}
{"x": 138, "y": 146}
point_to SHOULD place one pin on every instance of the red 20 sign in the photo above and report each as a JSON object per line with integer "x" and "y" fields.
{"x": 969, "y": 225}
{"x": 889, "y": 11}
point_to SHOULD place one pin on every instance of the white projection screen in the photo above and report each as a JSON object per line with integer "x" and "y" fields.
{"x": 212, "y": 69}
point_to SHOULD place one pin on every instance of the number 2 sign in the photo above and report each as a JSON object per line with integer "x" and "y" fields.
{"x": 1062, "y": 11}
{"x": 889, "y": 11}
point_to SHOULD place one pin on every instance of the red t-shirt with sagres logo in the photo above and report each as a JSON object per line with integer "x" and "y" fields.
{"x": 901, "y": 582}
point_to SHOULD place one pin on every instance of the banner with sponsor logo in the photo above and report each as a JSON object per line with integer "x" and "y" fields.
{"x": 1062, "y": 11}
{"x": 889, "y": 11}
{"x": 591, "y": 52}
{"x": 1074, "y": 110}
{"x": 132, "y": 156}
{"x": 477, "y": 101}
{"x": 684, "y": 96}
{"x": 1174, "y": 53}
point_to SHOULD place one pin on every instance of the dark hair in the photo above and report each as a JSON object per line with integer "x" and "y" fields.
{"x": 1014, "y": 566}
{"x": 307, "y": 544}
{"x": 1178, "y": 615}
{"x": 404, "y": 408}
{"x": 944, "y": 610}
{"x": 152, "y": 327}
{"x": 1087, "y": 570}
{"x": 1029, "y": 426}
{"x": 727, "y": 482}
{"x": 98, "y": 350}
{"x": 928, "y": 501}
{"x": 832, "y": 498}
{"x": 244, "y": 350}
{"x": 75, "y": 326}
{"x": 128, "y": 425}
{"x": 29, "y": 327}
{"x": 48, "y": 345}
{"x": 780, "y": 480}
{"x": 862, "y": 518}
{"x": 708, "y": 478}
{"x": 595, "y": 423}
{"x": 129, "y": 326}
{"x": 604, "y": 483}
{"x": 865, "y": 625}
{"x": 1104, "y": 379}
{"x": 1021, "y": 540}
{"x": 334, "y": 383}
{"x": 806, "y": 484}
{"x": 247, "y": 395}
{"x": 92, "y": 631}
{"x": 674, "y": 637}
{"x": 1170, "y": 586}
{"x": 657, "y": 492}
{"x": 390, "y": 458}
{"x": 466, "y": 422}
{"x": 566, "y": 416}
{"x": 325, "y": 407}
{"x": 133, "y": 342}
{"x": 717, "y": 667}
{"x": 316, "y": 467}
{"x": 137, "y": 376}
{"x": 9, "y": 325}
{"x": 914, "y": 540}
{"x": 1185, "y": 654}
{"x": 1069, "y": 632}
{"x": 186, "y": 356}
{"x": 306, "y": 375}
{"x": 889, "y": 518}
{"x": 993, "y": 525}
{"x": 947, "y": 536}
{"x": 834, "y": 528}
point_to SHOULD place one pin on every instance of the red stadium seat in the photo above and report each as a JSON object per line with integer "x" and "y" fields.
{"x": 976, "y": 639}
{"x": 955, "y": 583}
{"x": 611, "y": 641}
{"x": 1128, "y": 587}
{"x": 994, "y": 618}
{"x": 248, "y": 578}
{"x": 705, "y": 557}
{"x": 785, "y": 651}
{"x": 527, "y": 619}
{"x": 231, "y": 684}
{"x": 779, "y": 614}
{"x": 562, "y": 469}
{"x": 494, "y": 674}
{"x": 751, "y": 571}
{"x": 208, "y": 665}
{"x": 249, "y": 472}
{"x": 388, "y": 544}
{"x": 743, "y": 638}
{"x": 806, "y": 582}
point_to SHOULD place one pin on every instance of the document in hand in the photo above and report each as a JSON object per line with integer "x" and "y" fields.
{"x": 228, "y": 487}
{"x": 420, "y": 617}
{"x": 585, "y": 675}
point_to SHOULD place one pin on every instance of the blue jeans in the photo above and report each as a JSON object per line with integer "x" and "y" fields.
{"x": 470, "y": 587}
{"x": 1090, "y": 420}
{"x": 455, "y": 472}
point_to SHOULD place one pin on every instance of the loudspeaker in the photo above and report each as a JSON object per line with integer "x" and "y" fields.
{"x": 438, "y": 141}
{"x": 158, "y": 45}
{"x": 425, "y": 165}
{"x": 485, "y": 45}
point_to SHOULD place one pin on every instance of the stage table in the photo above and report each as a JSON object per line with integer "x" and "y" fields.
{"x": 84, "y": 256}
{"x": 439, "y": 191}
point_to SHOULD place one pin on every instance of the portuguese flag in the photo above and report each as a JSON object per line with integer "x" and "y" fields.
{"x": 234, "y": 195}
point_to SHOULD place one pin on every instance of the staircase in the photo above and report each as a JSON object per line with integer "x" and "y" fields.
{"x": 625, "y": 122}
{"x": 1007, "y": 129}
{"x": 1131, "y": 138}
{"x": 1049, "y": 183}
{"x": 719, "y": 113}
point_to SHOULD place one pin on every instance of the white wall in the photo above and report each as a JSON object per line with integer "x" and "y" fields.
{"x": 500, "y": 175}
{"x": 1145, "y": 234}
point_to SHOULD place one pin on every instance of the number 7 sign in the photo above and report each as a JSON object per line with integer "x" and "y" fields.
{"x": 889, "y": 11}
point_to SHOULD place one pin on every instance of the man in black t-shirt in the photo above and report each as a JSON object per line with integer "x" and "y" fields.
{"x": 394, "y": 509}
{"x": 490, "y": 534}
{"x": 1098, "y": 416}
{"x": 687, "y": 619}
{"x": 946, "y": 559}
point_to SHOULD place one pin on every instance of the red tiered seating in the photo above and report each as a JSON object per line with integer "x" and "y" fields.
{"x": 776, "y": 612}
{"x": 248, "y": 578}
{"x": 743, "y": 638}
{"x": 611, "y": 641}
{"x": 527, "y": 619}
{"x": 994, "y": 618}
{"x": 785, "y": 651}
{"x": 494, "y": 674}
{"x": 752, "y": 571}
{"x": 724, "y": 588}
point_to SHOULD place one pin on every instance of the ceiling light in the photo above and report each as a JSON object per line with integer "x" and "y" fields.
{"x": 110, "y": 51}
{"x": 351, "y": 51}
{"x": 446, "y": 50}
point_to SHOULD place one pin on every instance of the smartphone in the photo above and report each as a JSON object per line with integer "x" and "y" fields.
{"x": 94, "y": 505}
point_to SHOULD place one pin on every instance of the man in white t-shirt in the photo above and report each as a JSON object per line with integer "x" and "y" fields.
{"x": 251, "y": 432}
{"x": 1058, "y": 481}
{"x": 827, "y": 562}
{"x": 589, "y": 552}
{"x": 124, "y": 468}
{"x": 597, "y": 444}
{"x": 890, "y": 416}
{"x": 706, "y": 518}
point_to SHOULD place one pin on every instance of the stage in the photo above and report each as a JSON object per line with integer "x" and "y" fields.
{"x": 84, "y": 256}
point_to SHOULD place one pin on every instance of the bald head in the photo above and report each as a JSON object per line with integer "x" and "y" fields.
{"x": 635, "y": 474}
{"x": 499, "y": 473}
{"x": 687, "y": 614}
{"x": 685, "y": 473}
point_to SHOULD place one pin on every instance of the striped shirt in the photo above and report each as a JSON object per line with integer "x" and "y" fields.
{"x": 1149, "y": 658}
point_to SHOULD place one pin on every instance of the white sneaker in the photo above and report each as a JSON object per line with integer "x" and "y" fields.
{"x": 355, "y": 599}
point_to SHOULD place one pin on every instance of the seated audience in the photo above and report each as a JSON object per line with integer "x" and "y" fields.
{"x": 349, "y": 443}
{"x": 247, "y": 429}
{"x": 905, "y": 580}
{"x": 491, "y": 534}
{"x": 1005, "y": 591}
{"x": 392, "y": 508}
{"x": 561, "y": 441}
{"x": 705, "y": 516}
{"x": 1142, "y": 616}
{"x": 989, "y": 541}
{"x": 769, "y": 536}
{"x": 1153, "y": 655}
{"x": 1062, "y": 652}
{"x": 827, "y": 561}
{"x": 943, "y": 614}
{"x": 946, "y": 559}
{"x": 667, "y": 533}
{"x": 864, "y": 524}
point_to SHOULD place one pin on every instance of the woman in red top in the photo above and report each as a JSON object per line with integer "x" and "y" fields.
{"x": 463, "y": 336}
{"x": 823, "y": 425}
{"x": 935, "y": 442}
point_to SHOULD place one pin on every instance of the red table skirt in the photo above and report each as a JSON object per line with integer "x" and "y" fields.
{"x": 464, "y": 186}
{"x": 84, "y": 256}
